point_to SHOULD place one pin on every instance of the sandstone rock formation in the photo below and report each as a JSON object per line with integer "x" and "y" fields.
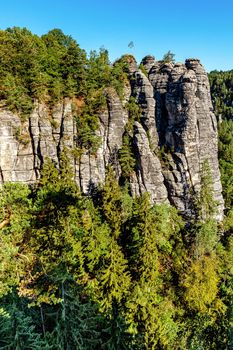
{"x": 176, "y": 133}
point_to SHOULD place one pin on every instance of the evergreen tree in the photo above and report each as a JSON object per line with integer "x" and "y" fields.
{"x": 15, "y": 221}
{"x": 201, "y": 279}
{"x": 149, "y": 307}
{"x": 77, "y": 321}
{"x": 17, "y": 331}
{"x": 113, "y": 277}
{"x": 168, "y": 57}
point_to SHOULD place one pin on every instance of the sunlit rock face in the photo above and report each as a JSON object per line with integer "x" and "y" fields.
{"x": 175, "y": 134}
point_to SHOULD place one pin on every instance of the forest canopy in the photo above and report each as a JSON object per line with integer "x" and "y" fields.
{"x": 110, "y": 272}
{"x": 52, "y": 67}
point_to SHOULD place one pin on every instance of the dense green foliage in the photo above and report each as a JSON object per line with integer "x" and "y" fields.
{"x": 44, "y": 68}
{"x": 109, "y": 272}
{"x": 221, "y": 84}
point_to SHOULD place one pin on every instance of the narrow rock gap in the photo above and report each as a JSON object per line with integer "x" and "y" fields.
{"x": 36, "y": 170}
{"x": 61, "y": 132}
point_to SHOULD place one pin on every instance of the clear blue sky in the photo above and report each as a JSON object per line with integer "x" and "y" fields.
{"x": 200, "y": 28}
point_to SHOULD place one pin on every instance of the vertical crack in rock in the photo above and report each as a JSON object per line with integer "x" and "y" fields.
{"x": 149, "y": 171}
{"x": 61, "y": 131}
{"x": 1, "y": 176}
{"x": 34, "y": 153}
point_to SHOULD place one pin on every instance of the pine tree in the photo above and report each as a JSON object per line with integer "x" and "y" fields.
{"x": 55, "y": 234}
{"x": 126, "y": 157}
{"x": 149, "y": 307}
{"x": 205, "y": 228}
{"x": 15, "y": 221}
{"x": 77, "y": 321}
{"x": 206, "y": 203}
{"x": 17, "y": 331}
{"x": 201, "y": 279}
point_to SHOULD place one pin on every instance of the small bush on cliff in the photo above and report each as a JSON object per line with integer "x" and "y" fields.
{"x": 126, "y": 157}
{"x": 168, "y": 57}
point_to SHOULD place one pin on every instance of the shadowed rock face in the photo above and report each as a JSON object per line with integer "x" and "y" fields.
{"x": 176, "y": 117}
{"x": 187, "y": 127}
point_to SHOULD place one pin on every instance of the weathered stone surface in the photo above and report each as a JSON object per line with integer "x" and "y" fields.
{"x": 176, "y": 119}
{"x": 16, "y": 155}
{"x": 187, "y": 127}
{"x": 143, "y": 92}
{"x": 148, "y": 168}
{"x": 148, "y": 62}
{"x": 91, "y": 169}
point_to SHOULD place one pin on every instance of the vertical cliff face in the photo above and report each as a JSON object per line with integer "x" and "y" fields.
{"x": 175, "y": 134}
{"x": 187, "y": 128}
{"x": 24, "y": 145}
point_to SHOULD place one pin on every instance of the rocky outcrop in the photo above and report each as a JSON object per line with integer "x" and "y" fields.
{"x": 187, "y": 129}
{"x": 175, "y": 134}
{"x": 24, "y": 145}
{"x": 148, "y": 176}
